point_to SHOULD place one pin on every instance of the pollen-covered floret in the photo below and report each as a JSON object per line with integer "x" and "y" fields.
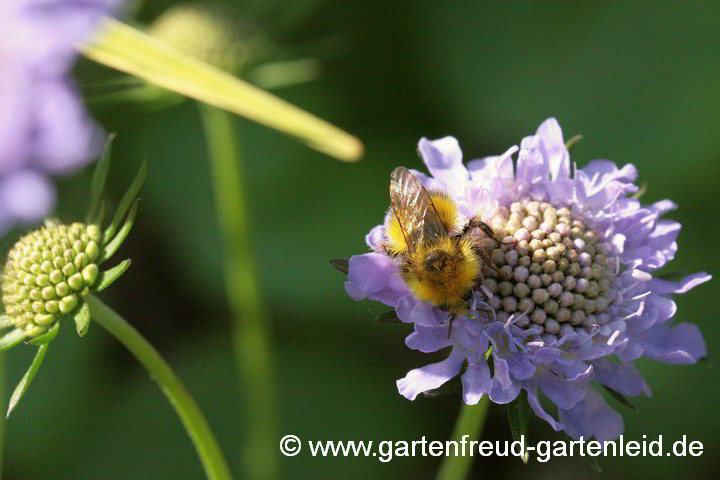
{"x": 48, "y": 272}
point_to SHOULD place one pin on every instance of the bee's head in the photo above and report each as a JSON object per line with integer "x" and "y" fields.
{"x": 437, "y": 260}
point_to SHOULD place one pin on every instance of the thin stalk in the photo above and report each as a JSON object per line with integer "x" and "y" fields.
{"x": 470, "y": 422}
{"x": 251, "y": 341}
{"x": 192, "y": 418}
{"x": 2, "y": 417}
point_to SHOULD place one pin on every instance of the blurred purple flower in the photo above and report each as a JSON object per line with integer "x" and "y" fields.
{"x": 577, "y": 301}
{"x": 44, "y": 127}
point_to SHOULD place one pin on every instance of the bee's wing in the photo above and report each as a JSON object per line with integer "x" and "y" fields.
{"x": 409, "y": 202}
{"x": 433, "y": 226}
{"x": 413, "y": 208}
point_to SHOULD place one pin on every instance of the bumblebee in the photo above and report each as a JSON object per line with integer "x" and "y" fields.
{"x": 441, "y": 261}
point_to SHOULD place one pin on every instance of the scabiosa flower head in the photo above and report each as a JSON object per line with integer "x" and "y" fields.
{"x": 44, "y": 128}
{"x": 50, "y": 271}
{"x": 571, "y": 300}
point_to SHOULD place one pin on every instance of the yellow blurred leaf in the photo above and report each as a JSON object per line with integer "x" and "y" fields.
{"x": 128, "y": 49}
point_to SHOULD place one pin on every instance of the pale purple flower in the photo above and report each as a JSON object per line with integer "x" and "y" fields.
{"x": 568, "y": 314}
{"x": 44, "y": 127}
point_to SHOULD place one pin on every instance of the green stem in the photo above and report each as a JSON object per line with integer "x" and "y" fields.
{"x": 2, "y": 417}
{"x": 251, "y": 340}
{"x": 470, "y": 422}
{"x": 192, "y": 418}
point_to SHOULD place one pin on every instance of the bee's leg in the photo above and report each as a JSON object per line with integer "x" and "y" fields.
{"x": 450, "y": 318}
{"x": 487, "y": 261}
{"x": 475, "y": 222}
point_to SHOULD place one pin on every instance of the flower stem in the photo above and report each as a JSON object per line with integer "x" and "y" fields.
{"x": 192, "y": 418}
{"x": 250, "y": 337}
{"x": 470, "y": 422}
{"x": 3, "y": 370}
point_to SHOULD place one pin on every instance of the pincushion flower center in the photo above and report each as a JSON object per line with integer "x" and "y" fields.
{"x": 557, "y": 273}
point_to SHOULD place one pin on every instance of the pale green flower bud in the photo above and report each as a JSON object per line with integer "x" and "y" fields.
{"x": 47, "y": 273}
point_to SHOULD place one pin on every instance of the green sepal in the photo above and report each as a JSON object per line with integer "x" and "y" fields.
{"x": 126, "y": 202}
{"x": 620, "y": 398}
{"x": 97, "y": 185}
{"x": 488, "y": 353}
{"x": 447, "y": 388}
{"x": 641, "y": 191}
{"x": 388, "y": 317}
{"x": 12, "y": 338}
{"x": 285, "y": 73}
{"x": 100, "y": 215}
{"x": 148, "y": 96}
{"x": 27, "y": 379}
{"x": 112, "y": 246}
{"x": 107, "y": 277}
{"x": 46, "y": 337}
{"x": 674, "y": 276}
{"x": 572, "y": 141}
{"x": 519, "y": 420}
{"x": 340, "y": 264}
{"x": 82, "y": 319}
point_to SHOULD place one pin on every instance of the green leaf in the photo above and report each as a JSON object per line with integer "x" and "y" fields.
{"x": 340, "y": 264}
{"x": 126, "y": 202}
{"x": 12, "y": 338}
{"x": 27, "y": 378}
{"x": 519, "y": 420}
{"x": 388, "y": 317}
{"x": 620, "y": 398}
{"x": 46, "y": 337}
{"x": 129, "y": 50}
{"x": 112, "y": 246}
{"x": 97, "y": 185}
{"x": 109, "y": 276}
{"x": 82, "y": 319}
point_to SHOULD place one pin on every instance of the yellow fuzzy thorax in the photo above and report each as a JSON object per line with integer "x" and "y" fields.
{"x": 450, "y": 285}
{"x": 446, "y": 210}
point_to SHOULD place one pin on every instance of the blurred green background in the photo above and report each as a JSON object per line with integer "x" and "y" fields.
{"x": 641, "y": 81}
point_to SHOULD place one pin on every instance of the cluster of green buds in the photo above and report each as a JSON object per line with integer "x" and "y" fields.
{"x": 50, "y": 271}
